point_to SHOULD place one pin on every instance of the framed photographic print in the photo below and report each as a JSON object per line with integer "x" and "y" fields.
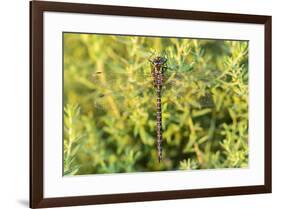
{"x": 140, "y": 104}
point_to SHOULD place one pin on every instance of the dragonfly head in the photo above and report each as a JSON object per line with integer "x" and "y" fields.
{"x": 158, "y": 61}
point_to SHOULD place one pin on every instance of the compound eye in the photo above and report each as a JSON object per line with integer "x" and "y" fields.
{"x": 158, "y": 60}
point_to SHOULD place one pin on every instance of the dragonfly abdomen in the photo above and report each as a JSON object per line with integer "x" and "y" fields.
{"x": 159, "y": 123}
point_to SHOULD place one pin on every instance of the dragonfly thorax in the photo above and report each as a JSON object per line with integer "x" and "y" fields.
{"x": 158, "y": 65}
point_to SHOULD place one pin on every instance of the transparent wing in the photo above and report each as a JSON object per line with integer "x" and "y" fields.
{"x": 115, "y": 89}
{"x": 122, "y": 90}
{"x": 107, "y": 79}
{"x": 190, "y": 87}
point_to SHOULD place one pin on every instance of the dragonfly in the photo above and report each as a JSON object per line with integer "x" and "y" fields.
{"x": 110, "y": 86}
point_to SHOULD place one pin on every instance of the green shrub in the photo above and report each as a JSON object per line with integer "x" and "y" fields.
{"x": 110, "y": 122}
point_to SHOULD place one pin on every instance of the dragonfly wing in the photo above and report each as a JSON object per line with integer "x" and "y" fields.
{"x": 187, "y": 86}
{"x": 122, "y": 86}
{"x": 116, "y": 89}
{"x": 130, "y": 77}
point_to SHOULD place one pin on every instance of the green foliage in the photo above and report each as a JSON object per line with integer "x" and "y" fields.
{"x": 110, "y": 123}
{"x": 71, "y": 139}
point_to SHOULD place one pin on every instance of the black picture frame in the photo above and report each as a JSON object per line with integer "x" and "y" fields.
{"x": 37, "y": 8}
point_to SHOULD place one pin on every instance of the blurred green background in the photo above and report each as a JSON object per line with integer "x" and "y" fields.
{"x": 110, "y": 104}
